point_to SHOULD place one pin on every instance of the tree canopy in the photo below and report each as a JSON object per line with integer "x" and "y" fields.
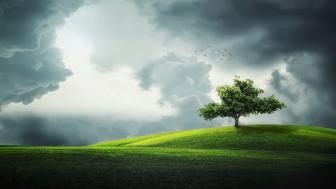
{"x": 240, "y": 99}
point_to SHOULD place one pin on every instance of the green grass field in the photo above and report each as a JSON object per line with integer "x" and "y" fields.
{"x": 255, "y": 156}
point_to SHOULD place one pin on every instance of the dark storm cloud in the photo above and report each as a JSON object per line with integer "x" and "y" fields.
{"x": 29, "y": 64}
{"x": 261, "y": 32}
{"x": 304, "y": 80}
{"x": 28, "y": 75}
{"x": 278, "y": 83}
{"x": 29, "y": 129}
{"x": 24, "y": 21}
{"x": 272, "y": 28}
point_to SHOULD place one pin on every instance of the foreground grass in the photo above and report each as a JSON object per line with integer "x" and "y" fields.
{"x": 207, "y": 158}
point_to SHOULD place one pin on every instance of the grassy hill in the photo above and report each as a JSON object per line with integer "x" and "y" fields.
{"x": 253, "y": 137}
{"x": 255, "y": 156}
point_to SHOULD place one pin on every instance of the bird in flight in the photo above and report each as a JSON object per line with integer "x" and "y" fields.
{"x": 213, "y": 52}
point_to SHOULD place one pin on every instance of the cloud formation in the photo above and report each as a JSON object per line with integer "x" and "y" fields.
{"x": 30, "y": 129}
{"x": 29, "y": 64}
{"x": 288, "y": 43}
{"x": 24, "y": 22}
{"x": 28, "y": 75}
{"x": 184, "y": 84}
{"x": 263, "y": 33}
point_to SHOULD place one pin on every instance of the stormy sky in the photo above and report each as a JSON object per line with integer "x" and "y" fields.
{"x": 76, "y": 72}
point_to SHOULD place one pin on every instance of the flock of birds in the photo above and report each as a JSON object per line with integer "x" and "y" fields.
{"x": 213, "y": 52}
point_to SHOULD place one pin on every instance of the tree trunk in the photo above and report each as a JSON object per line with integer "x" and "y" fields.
{"x": 236, "y": 122}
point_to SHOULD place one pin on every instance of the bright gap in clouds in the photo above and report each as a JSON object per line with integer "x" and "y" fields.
{"x": 116, "y": 92}
{"x": 91, "y": 92}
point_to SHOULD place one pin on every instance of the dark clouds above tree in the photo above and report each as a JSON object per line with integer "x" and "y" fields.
{"x": 273, "y": 28}
{"x": 262, "y": 32}
{"x": 29, "y": 64}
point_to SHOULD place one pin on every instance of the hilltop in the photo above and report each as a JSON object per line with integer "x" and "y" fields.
{"x": 252, "y": 137}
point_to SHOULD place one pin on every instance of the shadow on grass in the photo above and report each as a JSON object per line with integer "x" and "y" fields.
{"x": 265, "y": 129}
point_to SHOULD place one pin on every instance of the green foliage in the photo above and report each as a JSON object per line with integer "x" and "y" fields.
{"x": 240, "y": 99}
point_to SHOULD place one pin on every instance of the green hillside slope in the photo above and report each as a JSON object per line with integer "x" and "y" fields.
{"x": 255, "y": 156}
{"x": 254, "y": 137}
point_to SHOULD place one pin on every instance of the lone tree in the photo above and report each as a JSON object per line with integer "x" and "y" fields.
{"x": 240, "y": 99}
